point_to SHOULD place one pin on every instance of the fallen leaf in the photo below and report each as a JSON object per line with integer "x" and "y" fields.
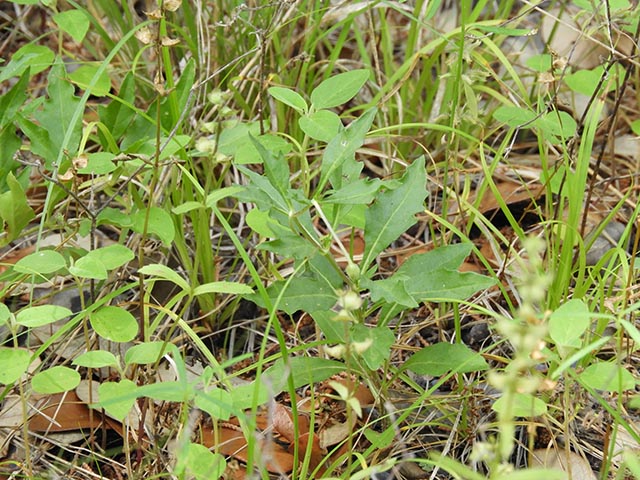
{"x": 572, "y": 463}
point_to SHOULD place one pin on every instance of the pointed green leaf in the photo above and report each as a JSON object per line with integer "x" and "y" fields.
{"x": 117, "y": 398}
{"x": 339, "y": 89}
{"x": 569, "y": 322}
{"x": 43, "y": 262}
{"x": 289, "y": 97}
{"x": 394, "y": 211}
{"x": 145, "y": 353}
{"x": 438, "y": 359}
{"x": 162, "y": 271}
{"x": 15, "y": 212}
{"x": 73, "y": 22}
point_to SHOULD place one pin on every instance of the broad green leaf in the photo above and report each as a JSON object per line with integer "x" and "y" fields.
{"x": 99, "y": 163}
{"x": 160, "y": 224}
{"x": 163, "y": 272}
{"x": 608, "y": 377}
{"x": 112, "y": 216}
{"x": 289, "y": 97}
{"x": 303, "y": 370}
{"x": 58, "y": 111}
{"x": 200, "y": 463}
{"x": 568, "y": 323}
{"x": 112, "y": 256}
{"x": 276, "y": 168}
{"x": 117, "y": 398}
{"x": 339, "y": 89}
{"x": 120, "y": 112}
{"x": 55, "y": 380}
{"x": 394, "y": 211}
{"x": 524, "y": 405}
{"x": 41, "y": 315}
{"x": 73, "y": 22}
{"x": 514, "y": 116}
{"x": 43, "y": 262}
{"x": 359, "y": 192}
{"x": 432, "y": 276}
{"x": 246, "y": 152}
{"x": 9, "y": 145}
{"x": 232, "y": 138}
{"x": 322, "y": 125}
{"x": 89, "y": 267}
{"x": 114, "y": 323}
{"x": 223, "y": 287}
{"x": 15, "y": 212}
{"x": 438, "y": 359}
{"x": 556, "y": 123}
{"x": 170, "y": 391}
{"x": 306, "y": 293}
{"x": 540, "y": 62}
{"x": 15, "y": 362}
{"x": 341, "y": 150}
{"x": 380, "y": 440}
{"x": 334, "y": 331}
{"x": 380, "y": 338}
{"x": 187, "y": 207}
{"x": 83, "y": 76}
{"x": 13, "y": 100}
{"x": 391, "y": 290}
{"x": 5, "y": 314}
{"x": 96, "y": 359}
{"x": 216, "y": 402}
{"x": 145, "y": 353}
{"x": 36, "y": 58}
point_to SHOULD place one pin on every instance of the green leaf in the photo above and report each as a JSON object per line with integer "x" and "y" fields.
{"x": 539, "y": 63}
{"x": 524, "y": 405}
{"x": 88, "y": 267}
{"x": 160, "y": 224}
{"x": 41, "y": 315}
{"x": 569, "y": 322}
{"x": 512, "y": 32}
{"x": 117, "y": 398}
{"x": 120, "y": 112}
{"x": 557, "y": 124}
{"x": 394, "y": 211}
{"x": 73, "y": 22}
{"x": 99, "y": 163}
{"x": 112, "y": 256}
{"x": 83, "y": 75}
{"x": 276, "y": 168}
{"x": 9, "y": 145}
{"x": 57, "y": 112}
{"x": 43, "y": 262}
{"x": 96, "y": 359}
{"x": 15, "y": 211}
{"x": 608, "y": 377}
{"x": 55, "y": 380}
{"x": 15, "y": 362}
{"x": 35, "y": 58}
{"x": 338, "y": 89}
{"x": 431, "y": 276}
{"x": 306, "y": 293}
{"x": 5, "y": 314}
{"x": 114, "y": 323}
{"x": 216, "y": 402}
{"x": 145, "y": 353}
{"x": 158, "y": 270}
{"x": 438, "y": 359}
{"x": 341, "y": 150}
{"x": 514, "y": 116}
{"x": 380, "y": 338}
{"x": 289, "y": 97}
{"x": 200, "y": 463}
{"x": 223, "y": 287}
{"x": 12, "y": 100}
{"x": 359, "y": 192}
{"x": 170, "y": 391}
{"x": 322, "y": 125}
{"x": 303, "y": 370}
{"x": 221, "y": 193}
{"x": 246, "y": 152}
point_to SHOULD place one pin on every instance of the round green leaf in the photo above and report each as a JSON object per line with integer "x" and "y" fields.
{"x": 117, "y": 398}
{"x": 160, "y": 224}
{"x": 41, "y": 315}
{"x": 97, "y": 359}
{"x": 524, "y": 405}
{"x": 15, "y": 362}
{"x": 445, "y": 357}
{"x": 322, "y": 125}
{"x": 83, "y": 76}
{"x": 114, "y": 323}
{"x": 88, "y": 267}
{"x": 99, "y": 163}
{"x": 202, "y": 463}
{"x": 42, "y": 262}
{"x": 5, "y": 314}
{"x": 514, "y": 116}
{"x": 145, "y": 353}
{"x": 608, "y": 377}
{"x": 55, "y": 380}
{"x": 569, "y": 322}
{"x": 113, "y": 256}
